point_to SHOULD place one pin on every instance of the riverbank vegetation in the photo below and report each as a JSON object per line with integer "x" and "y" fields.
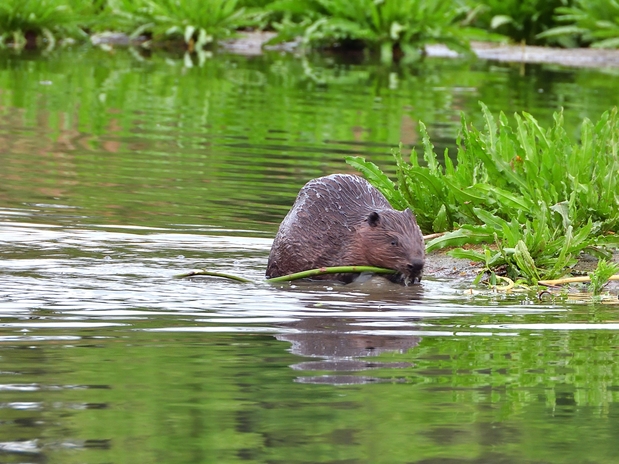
{"x": 587, "y": 22}
{"x": 389, "y": 28}
{"x": 197, "y": 22}
{"x": 392, "y": 28}
{"x": 22, "y": 22}
{"x": 533, "y": 198}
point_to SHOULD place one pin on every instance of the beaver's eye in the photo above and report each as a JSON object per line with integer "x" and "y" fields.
{"x": 394, "y": 241}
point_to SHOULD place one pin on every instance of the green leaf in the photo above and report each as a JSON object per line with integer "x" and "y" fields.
{"x": 525, "y": 262}
{"x": 471, "y": 255}
{"x": 189, "y": 30}
{"x": 494, "y": 222}
{"x": 563, "y": 209}
{"x": 467, "y": 194}
{"x": 505, "y": 198}
{"x": 465, "y": 235}
{"x": 441, "y": 222}
{"x": 386, "y": 52}
{"x": 500, "y": 20}
{"x": 613, "y": 42}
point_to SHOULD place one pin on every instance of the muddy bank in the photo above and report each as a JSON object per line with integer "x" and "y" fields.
{"x": 440, "y": 265}
{"x": 576, "y": 57}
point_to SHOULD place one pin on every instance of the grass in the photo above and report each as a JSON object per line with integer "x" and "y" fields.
{"x": 534, "y": 198}
{"x": 588, "y": 22}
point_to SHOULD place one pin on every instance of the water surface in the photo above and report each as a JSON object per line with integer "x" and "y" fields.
{"x": 119, "y": 171}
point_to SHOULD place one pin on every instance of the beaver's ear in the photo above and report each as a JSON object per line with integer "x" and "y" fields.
{"x": 408, "y": 210}
{"x": 374, "y": 219}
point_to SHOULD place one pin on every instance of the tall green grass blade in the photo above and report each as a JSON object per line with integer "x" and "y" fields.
{"x": 463, "y": 236}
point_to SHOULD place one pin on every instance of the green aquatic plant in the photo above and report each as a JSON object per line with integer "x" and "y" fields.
{"x": 534, "y": 198}
{"x": 390, "y": 27}
{"x": 588, "y": 22}
{"x": 26, "y": 22}
{"x": 197, "y": 22}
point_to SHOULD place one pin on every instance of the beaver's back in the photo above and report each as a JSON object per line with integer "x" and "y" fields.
{"x": 343, "y": 194}
{"x": 318, "y": 229}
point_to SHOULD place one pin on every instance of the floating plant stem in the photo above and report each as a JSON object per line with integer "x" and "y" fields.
{"x": 206, "y": 272}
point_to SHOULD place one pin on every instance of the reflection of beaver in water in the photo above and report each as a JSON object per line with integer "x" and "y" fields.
{"x": 342, "y": 220}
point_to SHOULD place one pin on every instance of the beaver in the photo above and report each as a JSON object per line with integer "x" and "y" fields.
{"x": 342, "y": 220}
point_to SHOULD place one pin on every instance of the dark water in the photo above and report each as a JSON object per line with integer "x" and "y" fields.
{"x": 118, "y": 172}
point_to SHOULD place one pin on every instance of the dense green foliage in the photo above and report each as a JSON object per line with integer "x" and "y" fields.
{"x": 198, "y": 22}
{"x": 519, "y": 20}
{"x": 396, "y": 26}
{"x": 46, "y": 18}
{"x": 537, "y": 196}
{"x": 590, "y": 22}
{"x": 388, "y": 27}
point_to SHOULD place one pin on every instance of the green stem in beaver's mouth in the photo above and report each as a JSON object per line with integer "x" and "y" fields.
{"x": 331, "y": 270}
{"x": 296, "y": 275}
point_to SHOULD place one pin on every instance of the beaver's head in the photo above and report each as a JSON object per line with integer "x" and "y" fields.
{"x": 392, "y": 239}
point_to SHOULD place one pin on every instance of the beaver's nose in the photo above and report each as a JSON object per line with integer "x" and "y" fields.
{"x": 415, "y": 267}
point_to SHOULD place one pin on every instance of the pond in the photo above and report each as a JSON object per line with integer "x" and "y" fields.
{"x": 119, "y": 171}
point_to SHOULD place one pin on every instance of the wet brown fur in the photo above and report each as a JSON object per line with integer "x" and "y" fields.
{"x": 342, "y": 220}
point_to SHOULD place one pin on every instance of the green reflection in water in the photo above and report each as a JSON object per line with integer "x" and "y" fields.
{"x": 149, "y": 142}
{"x": 207, "y": 397}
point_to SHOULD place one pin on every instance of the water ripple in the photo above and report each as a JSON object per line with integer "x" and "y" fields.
{"x": 122, "y": 278}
